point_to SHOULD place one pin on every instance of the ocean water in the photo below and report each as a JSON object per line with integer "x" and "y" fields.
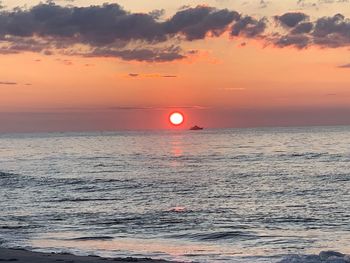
{"x": 231, "y": 195}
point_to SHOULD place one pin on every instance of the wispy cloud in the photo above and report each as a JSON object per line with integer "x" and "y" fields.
{"x": 150, "y": 75}
{"x": 232, "y": 89}
{"x": 197, "y": 107}
{"x": 344, "y": 66}
{"x": 66, "y": 62}
{"x": 8, "y": 83}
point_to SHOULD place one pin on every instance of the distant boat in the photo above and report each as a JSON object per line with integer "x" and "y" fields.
{"x": 196, "y": 128}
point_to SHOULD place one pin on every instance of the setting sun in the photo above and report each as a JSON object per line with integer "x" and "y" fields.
{"x": 176, "y": 118}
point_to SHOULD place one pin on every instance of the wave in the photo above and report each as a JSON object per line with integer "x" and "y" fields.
{"x": 13, "y": 227}
{"x": 215, "y": 236}
{"x": 84, "y": 200}
{"x": 292, "y": 219}
{"x": 91, "y": 238}
{"x": 5, "y": 174}
{"x": 323, "y": 257}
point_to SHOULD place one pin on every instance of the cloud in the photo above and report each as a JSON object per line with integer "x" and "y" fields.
{"x": 291, "y": 19}
{"x": 264, "y": 3}
{"x": 107, "y": 30}
{"x": 249, "y": 27}
{"x": 197, "y": 107}
{"x": 169, "y": 76}
{"x": 17, "y": 44}
{"x": 7, "y": 83}
{"x": 332, "y": 1}
{"x": 344, "y": 66}
{"x": 157, "y": 14}
{"x": 110, "y": 31}
{"x": 318, "y": 3}
{"x": 326, "y": 32}
{"x": 299, "y": 41}
{"x": 195, "y": 23}
{"x": 302, "y": 28}
{"x": 232, "y": 89}
{"x": 140, "y": 54}
{"x": 332, "y": 31}
{"x": 11, "y": 83}
{"x": 154, "y": 75}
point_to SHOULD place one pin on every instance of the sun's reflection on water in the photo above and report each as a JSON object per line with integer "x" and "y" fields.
{"x": 176, "y": 148}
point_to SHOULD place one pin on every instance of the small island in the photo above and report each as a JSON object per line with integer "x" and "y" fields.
{"x": 196, "y": 128}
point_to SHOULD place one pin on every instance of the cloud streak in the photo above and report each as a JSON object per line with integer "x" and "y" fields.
{"x": 197, "y": 107}
{"x": 344, "y": 66}
{"x": 7, "y": 83}
{"x": 154, "y": 75}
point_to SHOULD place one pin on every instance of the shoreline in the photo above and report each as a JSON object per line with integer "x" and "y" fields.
{"x": 18, "y": 255}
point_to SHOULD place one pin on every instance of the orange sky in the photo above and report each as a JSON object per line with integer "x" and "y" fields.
{"x": 223, "y": 84}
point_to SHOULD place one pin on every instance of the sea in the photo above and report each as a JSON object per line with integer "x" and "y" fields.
{"x": 217, "y": 195}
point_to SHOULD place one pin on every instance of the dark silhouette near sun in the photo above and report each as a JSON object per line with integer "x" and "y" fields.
{"x": 196, "y": 128}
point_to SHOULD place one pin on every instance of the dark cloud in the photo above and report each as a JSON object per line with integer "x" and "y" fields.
{"x": 249, "y": 27}
{"x": 299, "y": 41}
{"x": 108, "y": 23}
{"x": 16, "y": 44}
{"x": 329, "y": 32}
{"x": 291, "y": 19}
{"x": 157, "y": 14}
{"x": 133, "y": 75}
{"x": 140, "y": 54}
{"x": 110, "y": 31}
{"x": 195, "y": 23}
{"x": 332, "y": 31}
{"x": 183, "y": 7}
{"x": 303, "y": 28}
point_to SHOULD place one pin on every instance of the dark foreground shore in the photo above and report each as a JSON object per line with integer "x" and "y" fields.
{"x": 23, "y": 256}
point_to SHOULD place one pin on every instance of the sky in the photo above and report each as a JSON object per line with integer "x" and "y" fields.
{"x": 88, "y": 65}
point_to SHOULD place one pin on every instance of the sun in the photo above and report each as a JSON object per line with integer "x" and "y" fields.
{"x": 176, "y": 118}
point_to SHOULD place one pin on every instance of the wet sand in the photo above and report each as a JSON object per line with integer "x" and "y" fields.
{"x": 23, "y": 256}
